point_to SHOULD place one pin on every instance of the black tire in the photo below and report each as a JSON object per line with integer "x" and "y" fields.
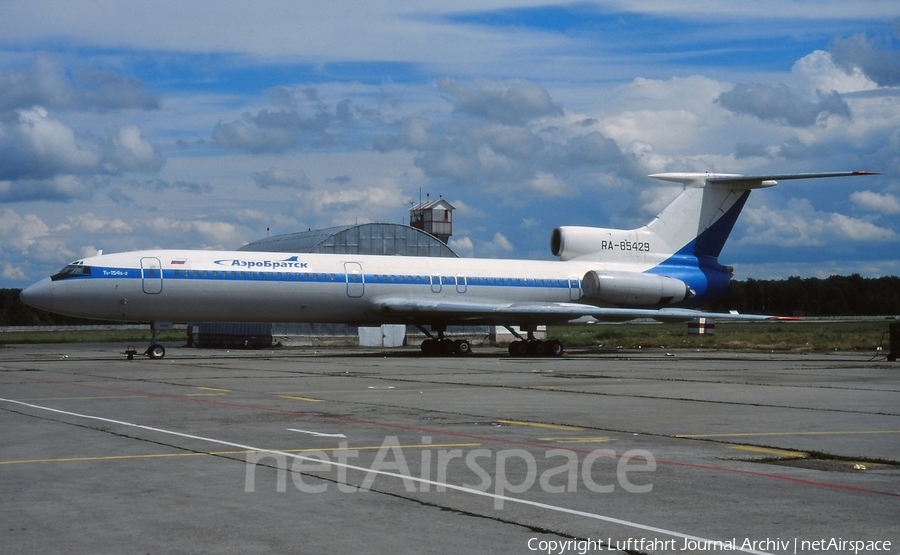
{"x": 429, "y": 347}
{"x": 445, "y": 347}
{"x": 554, "y": 348}
{"x": 518, "y": 349}
{"x": 537, "y": 348}
{"x": 156, "y": 351}
{"x": 462, "y": 347}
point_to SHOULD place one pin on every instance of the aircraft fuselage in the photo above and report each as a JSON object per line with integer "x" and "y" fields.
{"x": 180, "y": 286}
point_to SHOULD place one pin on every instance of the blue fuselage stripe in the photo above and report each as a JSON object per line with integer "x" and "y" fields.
{"x": 327, "y": 277}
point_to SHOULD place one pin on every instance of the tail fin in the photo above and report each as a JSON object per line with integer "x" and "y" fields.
{"x": 701, "y": 218}
{"x": 697, "y": 223}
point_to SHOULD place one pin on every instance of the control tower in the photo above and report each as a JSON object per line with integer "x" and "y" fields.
{"x": 434, "y": 217}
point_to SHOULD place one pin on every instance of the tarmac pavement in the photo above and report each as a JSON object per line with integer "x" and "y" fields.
{"x": 384, "y": 451}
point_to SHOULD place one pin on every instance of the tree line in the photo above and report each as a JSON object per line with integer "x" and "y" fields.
{"x": 833, "y": 296}
{"x": 851, "y": 295}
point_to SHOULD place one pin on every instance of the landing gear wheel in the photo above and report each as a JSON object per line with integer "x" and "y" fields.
{"x": 430, "y": 347}
{"x": 554, "y": 348}
{"x": 156, "y": 351}
{"x": 462, "y": 347}
{"x": 537, "y": 348}
{"x": 445, "y": 347}
{"x": 518, "y": 349}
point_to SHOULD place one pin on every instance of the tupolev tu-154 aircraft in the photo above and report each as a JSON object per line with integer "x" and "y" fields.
{"x": 663, "y": 270}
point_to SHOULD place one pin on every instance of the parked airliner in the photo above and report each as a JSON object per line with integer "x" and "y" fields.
{"x": 662, "y": 270}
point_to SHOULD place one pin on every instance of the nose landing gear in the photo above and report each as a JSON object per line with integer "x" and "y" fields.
{"x": 155, "y": 350}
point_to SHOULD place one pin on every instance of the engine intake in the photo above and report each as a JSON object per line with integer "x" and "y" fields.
{"x": 570, "y": 242}
{"x": 634, "y": 289}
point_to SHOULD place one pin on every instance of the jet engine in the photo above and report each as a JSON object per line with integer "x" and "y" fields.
{"x": 569, "y": 242}
{"x": 633, "y": 288}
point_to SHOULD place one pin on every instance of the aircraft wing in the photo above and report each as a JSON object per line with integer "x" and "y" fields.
{"x": 426, "y": 312}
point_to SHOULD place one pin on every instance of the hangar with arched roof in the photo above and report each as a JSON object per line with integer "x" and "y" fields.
{"x": 372, "y": 238}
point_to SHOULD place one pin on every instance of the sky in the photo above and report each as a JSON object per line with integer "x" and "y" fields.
{"x": 207, "y": 125}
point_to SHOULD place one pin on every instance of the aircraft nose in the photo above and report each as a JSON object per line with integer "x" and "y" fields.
{"x": 39, "y": 295}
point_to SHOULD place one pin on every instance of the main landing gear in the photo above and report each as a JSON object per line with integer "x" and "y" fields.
{"x": 531, "y": 347}
{"x": 440, "y": 346}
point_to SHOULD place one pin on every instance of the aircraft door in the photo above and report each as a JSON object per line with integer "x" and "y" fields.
{"x": 436, "y": 283}
{"x": 151, "y": 276}
{"x": 461, "y": 284}
{"x": 574, "y": 288}
{"x": 356, "y": 280}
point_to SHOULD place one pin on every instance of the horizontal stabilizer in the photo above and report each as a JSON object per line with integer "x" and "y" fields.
{"x": 747, "y": 181}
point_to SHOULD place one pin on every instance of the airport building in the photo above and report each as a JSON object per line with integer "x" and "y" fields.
{"x": 378, "y": 238}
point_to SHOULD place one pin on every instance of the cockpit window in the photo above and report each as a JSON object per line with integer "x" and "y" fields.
{"x": 76, "y": 269}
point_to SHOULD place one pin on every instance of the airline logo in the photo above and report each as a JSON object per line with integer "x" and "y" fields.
{"x": 291, "y": 262}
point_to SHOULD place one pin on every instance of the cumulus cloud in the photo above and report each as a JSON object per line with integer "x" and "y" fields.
{"x": 21, "y": 231}
{"x": 42, "y": 157}
{"x": 548, "y": 185}
{"x": 131, "y": 152}
{"x": 91, "y": 223}
{"x": 274, "y": 177}
{"x": 36, "y": 146}
{"x": 509, "y": 102}
{"x": 506, "y": 139}
{"x": 593, "y": 148}
{"x": 198, "y": 232}
{"x": 26, "y": 238}
{"x": 777, "y": 103}
{"x": 345, "y": 205}
{"x": 48, "y": 83}
{"x": 798, "y": 224}
{"x": 462, "y": 246}
{"x": 874, "y": 56}
{"x": 818, "y": 71}
{"x": 498, "y": 246}
{"x": 306, "y": 120}
{"x": 243, "y": 135}
{"x": 876, "y": 202}
{"x": 57, "y": 188}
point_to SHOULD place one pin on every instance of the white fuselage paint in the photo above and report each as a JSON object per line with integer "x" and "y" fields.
{"x": 286, "y": 287}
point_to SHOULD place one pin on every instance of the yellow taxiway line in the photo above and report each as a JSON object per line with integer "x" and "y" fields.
{"x": 219, "y": 453}
{"x": 752, "y": 434}
{"x": 540, "y": 425}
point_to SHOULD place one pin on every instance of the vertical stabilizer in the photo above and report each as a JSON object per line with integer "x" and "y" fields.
{"x": 702, "y": 216}
{"x": 696, "y": 224}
